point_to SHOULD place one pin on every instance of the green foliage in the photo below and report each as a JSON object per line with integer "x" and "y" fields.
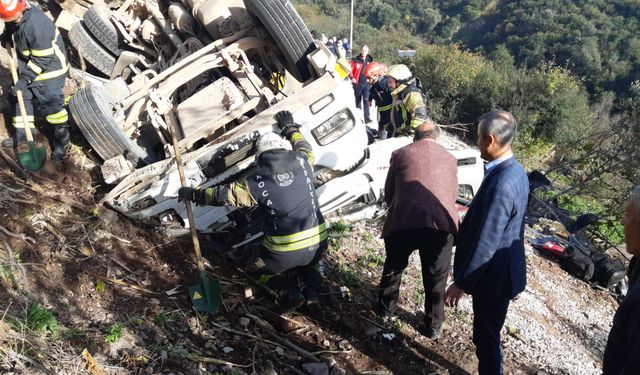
{"x": 115, "y": 333}
{"x": 41, "y": 320}
{"x": 166, "y": 320}
{"x": 339, "y": 227}
{"x": 100, "y": 286}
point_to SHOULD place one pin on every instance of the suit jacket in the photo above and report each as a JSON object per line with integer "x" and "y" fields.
{"x": 622, "y": 353}
{"x": 489, "y": 258}
{"x": 421, "y": 188}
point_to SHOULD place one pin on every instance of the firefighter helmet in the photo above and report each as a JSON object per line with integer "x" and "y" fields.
{"x": 270, "y": 141}
{"x": 10, "y": 10}
{"x": 400, "y": 73}
{"x": 374, "y": 69}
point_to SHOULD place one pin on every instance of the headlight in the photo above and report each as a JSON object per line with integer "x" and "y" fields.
{"x": 465, "y": 192}
{"x": 334, "y": 128}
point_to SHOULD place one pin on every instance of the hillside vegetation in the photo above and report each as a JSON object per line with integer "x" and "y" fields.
{"x": 566, "y": 69}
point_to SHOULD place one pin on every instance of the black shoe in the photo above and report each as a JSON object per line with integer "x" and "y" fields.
{"x": 381, "y": 310}
{"x": 60, "y": 142}
{"x": 368, "y": 120}
{"x": 432, "y": 332}
{"x": 290, "y": 300}
{"x": 313, "y": 299}
{"x": 17, "y": 139}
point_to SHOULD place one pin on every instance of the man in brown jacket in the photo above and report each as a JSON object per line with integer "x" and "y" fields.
{"x": 421, "y": 190}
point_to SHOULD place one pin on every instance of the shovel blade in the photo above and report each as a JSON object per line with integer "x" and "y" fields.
{"x": 34, "y": 159}
{"x": 205, "y": 295}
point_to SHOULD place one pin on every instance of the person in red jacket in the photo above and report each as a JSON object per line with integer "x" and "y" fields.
{"x": 360, "y": 85}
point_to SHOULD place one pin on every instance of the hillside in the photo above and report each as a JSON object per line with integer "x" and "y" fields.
{"x": 76, "y": 277}
{"x": 596, "y": 40}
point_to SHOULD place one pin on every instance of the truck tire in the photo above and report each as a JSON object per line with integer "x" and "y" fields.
{"x": 288, "y": 31}
{"x": 91, "y": 50}
{"x": 91, "y": 110}
{"x": 96, "y": 20}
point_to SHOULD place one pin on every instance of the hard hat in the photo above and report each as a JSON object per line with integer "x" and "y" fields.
{"x": 10, "y": 10}
{"x": 270, "y": 141}
{"x": 400, "y": 73}
{"x": 374, "y": 69}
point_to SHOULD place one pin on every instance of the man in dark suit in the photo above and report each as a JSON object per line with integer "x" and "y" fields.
{"x": 489, "y": 262}
{"x": 622, "y": 354}
{"x": 421, "y": 190}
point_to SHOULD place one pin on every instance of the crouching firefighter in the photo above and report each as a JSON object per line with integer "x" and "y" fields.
{"x": 42, "y": 70}
{"x": 295, "y": 235}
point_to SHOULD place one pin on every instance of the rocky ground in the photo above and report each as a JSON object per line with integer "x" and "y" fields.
{"x": 78, "y": 278}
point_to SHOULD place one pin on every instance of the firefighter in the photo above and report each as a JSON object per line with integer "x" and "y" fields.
{"x": 380, "y": 93}
{"x": 409, "y": 105}
{"x": 42, "y": 70}
{"x": 295, "y": 235}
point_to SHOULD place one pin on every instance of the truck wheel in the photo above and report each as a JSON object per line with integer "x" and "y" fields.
{"x": 288, "y": 31}
{"x": 96, "y": 20}
{"x": 91, "y": 110}
{"x": 91, "y": 50}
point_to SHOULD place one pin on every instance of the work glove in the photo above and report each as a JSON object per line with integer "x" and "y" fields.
{"x": 187, "y": 194}
{"x": 286, "y": 123}
{"x": 19, "y": 86}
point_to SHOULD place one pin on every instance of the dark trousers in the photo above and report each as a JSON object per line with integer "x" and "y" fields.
{"x": 435, "y": 258}
{"x": 49, "y": 98}
{"x": 362, "y": 98}
{"x": 287, "y": 271}
{"x": 489, "y": 314}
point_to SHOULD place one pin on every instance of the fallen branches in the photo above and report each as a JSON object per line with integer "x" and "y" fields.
{"x": 270, "y": 331}
{"x": 21, "y": 236}
{"x": 215, "y": 361}
{"x": 38, "y": 189}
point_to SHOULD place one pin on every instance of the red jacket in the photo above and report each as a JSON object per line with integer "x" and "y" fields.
{"x": 357, "y": 68}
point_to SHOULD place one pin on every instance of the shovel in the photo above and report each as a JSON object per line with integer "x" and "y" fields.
{"x": 205, "y": 295}
{"x": 35, "y": 158}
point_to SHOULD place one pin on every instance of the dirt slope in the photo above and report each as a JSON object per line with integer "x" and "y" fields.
{"x": 104, "y": 281}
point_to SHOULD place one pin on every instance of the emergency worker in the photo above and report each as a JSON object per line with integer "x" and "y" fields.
{"x": 42, "y": 70}
{"x": 409, "y": 106}
{"x": 295, "y": 234}
{"x": 380, "y": 93}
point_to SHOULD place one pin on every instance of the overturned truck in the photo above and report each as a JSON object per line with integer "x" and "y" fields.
{"x": 218, "y": 71}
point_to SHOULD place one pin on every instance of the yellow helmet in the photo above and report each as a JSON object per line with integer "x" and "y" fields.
{"x": 400, "y": 73}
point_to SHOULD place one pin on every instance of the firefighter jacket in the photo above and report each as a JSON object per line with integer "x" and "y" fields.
{"x": 282, "y": 185}
{"x": 381, "y": 94}
{"x": 41, "y": 51}
{"x": 409, "y": 108}
{"x": 358, "y": 64}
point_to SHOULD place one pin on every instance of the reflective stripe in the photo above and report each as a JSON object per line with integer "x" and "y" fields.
{"x": 25, "y": 53}
{"x": 52, "y": 74}
{"x": 18, "y": 124}
{"x": 301, "y": 239}
{"x": 61, "y": 57}
{"x": 298, "y": 245}
{"x": 42, "y": 52}
{"x": 385, "y": 108}
{"x": 34, "y": 67}
{"x": 279, "y": 240}
{"x": 58, "y": 118}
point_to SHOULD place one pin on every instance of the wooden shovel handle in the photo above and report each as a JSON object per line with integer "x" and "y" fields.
{"x": 183, "y": 182}
{"x": 14, "y": 75}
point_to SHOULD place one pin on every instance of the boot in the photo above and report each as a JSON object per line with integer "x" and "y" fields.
{"x": 312, "y": 299}
{"x": 17, "y": 139}
{"x": 60, "y": 142}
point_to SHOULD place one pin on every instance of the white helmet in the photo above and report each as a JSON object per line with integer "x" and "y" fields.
{"x": 270, "y": 141}
{"x": 400, "y": 73}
